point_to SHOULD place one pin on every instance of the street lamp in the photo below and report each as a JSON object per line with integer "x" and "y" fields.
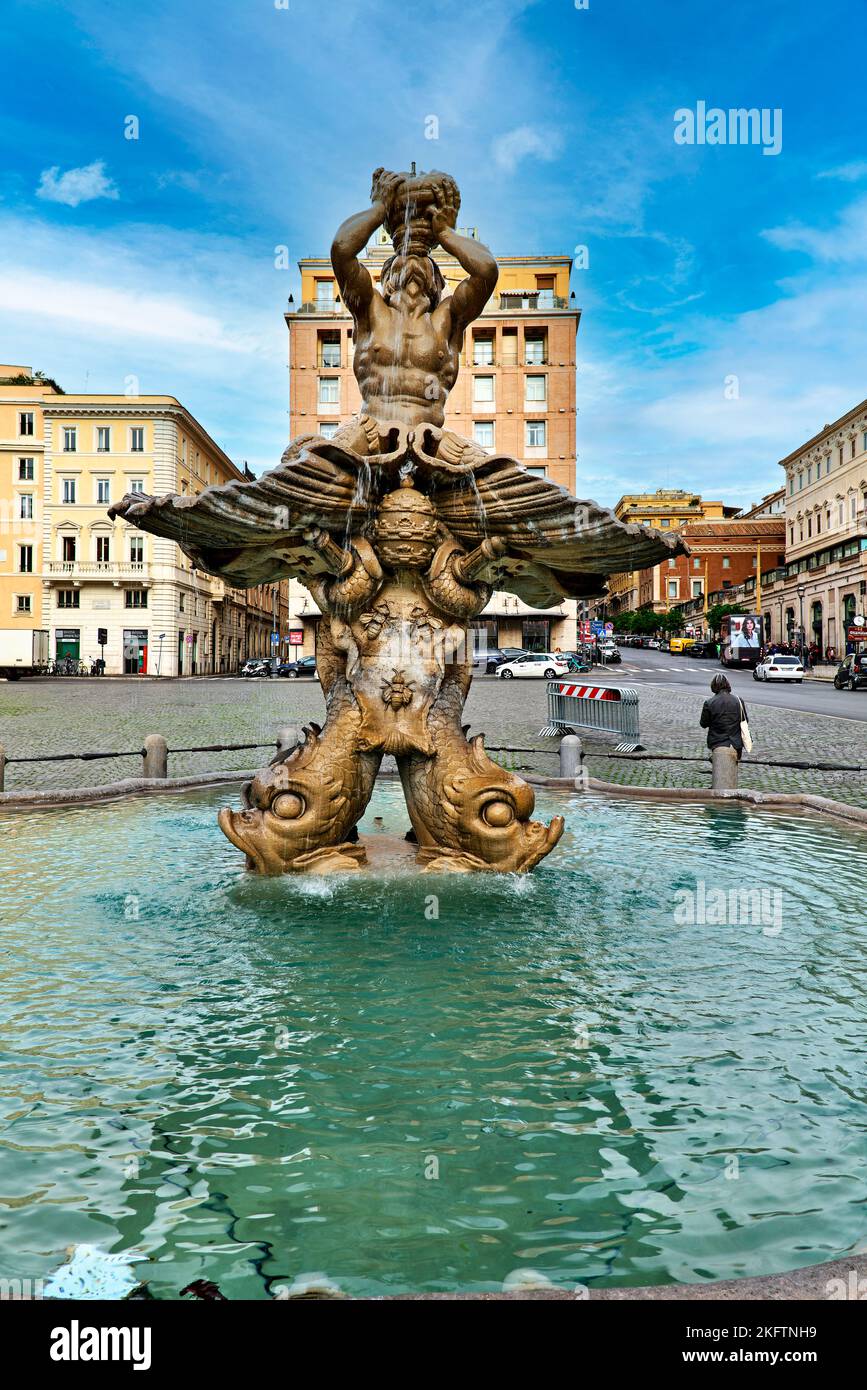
{"x": 801, "y": 592}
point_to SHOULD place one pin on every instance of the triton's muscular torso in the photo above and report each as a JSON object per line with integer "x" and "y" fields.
{"x": 406, "y": 364}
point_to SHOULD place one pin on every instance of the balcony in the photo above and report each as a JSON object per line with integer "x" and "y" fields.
{"x": 331, "y": 307}
{"x": 111, "y": 571}
{"x": 540, "y": 300}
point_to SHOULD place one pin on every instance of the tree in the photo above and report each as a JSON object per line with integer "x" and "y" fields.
{"x": 716, "y": 614}
{"x": 645, "y": 622}
{"x": 672, "y": 621}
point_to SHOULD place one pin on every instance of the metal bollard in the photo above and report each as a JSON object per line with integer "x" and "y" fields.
{"x": 288, "y": 738}
{"x": 2, "y": 768}
{"x": 571, "y": 754}
{"x": 156, "y": 757}
{"x": 725, "y": 769}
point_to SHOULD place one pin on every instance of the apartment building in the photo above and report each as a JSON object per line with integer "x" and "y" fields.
{"x": 823, "y": 586}
{"x": 515, "y": 395}
{"x": 66, "y": 567}
{"x": 668, "y": 509}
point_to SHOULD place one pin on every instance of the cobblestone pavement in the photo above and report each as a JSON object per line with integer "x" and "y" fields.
{"x": 85, "y": 715}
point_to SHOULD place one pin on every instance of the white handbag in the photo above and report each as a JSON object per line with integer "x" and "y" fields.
{"x": 746, "y": 736}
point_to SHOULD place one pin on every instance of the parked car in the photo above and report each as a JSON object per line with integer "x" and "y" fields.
{"x": 654, "y": 644}
{"x": 534, "y": 664}
{"x": 681, "y": 644}
{"x": 852, "y": 672}
{"x": 706, "y": 651}
{"x": 256, "y": 666}
{"x": 493, "y": 658}
{"x": 293, "y": 669}
{"x": 609, "y": 653}
{"x": 779, "y": 668}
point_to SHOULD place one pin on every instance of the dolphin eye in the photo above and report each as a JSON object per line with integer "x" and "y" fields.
{"x": 289, "y": 806}
{"x": 498, "y": 814}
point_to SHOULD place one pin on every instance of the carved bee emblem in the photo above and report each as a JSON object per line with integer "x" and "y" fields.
{"x": 397, "y": 693}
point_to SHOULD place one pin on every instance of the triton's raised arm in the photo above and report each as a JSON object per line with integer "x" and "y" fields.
{"x": 472, "y": 294}
{"x": 352, "y": 236}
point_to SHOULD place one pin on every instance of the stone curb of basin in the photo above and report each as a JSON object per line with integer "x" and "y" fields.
{"x": 828, "y": 1282}
{"x": 141, "y": 786}
{"x": 792, "y": 800}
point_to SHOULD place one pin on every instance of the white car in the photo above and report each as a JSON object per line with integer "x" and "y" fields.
{"x": 534, "y": 664}
{"x": 654, "y": 644}
{"x": 779, "y": 668}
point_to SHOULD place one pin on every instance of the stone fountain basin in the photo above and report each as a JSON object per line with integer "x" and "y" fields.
{"x": 424, "y": 1084}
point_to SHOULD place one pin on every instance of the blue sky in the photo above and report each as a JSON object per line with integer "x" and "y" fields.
{"x": 259, "y": 127}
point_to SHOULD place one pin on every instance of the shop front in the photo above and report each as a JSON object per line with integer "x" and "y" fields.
{"x": 68, "y": 643}
{"x": 135, "y": 652}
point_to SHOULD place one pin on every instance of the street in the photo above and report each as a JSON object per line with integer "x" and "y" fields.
{"x": 641, "y": 666}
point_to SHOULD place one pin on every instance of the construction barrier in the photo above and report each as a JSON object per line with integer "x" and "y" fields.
{"x": 608, "y": 709}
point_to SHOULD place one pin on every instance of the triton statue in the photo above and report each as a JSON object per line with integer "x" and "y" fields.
{"x": 401, "y": 530}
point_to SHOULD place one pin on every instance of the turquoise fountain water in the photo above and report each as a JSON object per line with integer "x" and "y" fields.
{"x": 250, "y": 1080}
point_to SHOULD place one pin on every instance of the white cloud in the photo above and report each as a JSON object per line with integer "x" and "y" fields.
{"x": 524, "y": 140}
{"x": 76, "y": 185}
{"x": 846, "y": 173}
{"x": 844, "y": 242}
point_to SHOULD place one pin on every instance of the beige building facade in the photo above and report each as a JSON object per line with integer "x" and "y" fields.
{"x": 67, "y": 568}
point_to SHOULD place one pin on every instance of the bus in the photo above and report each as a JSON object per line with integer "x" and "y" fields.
{"x": 740, "y": 639}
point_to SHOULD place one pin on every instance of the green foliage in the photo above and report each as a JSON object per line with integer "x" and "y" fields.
{"x": 716, "y": 614}
{"x": 672, "y": 621}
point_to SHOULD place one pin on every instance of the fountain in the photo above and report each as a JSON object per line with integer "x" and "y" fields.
{"x": 401, "y": 530}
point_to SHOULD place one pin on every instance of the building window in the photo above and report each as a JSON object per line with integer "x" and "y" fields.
{"x": 534, "y": 349}
{"x": 23, "y": 603}
{"x": 672, "y": 588}
{"x": 181, "y": 602}
{"x": 800, "y": 481}
{"x": 68, "y": 490}
{"x": 840, "y": 514}
{"x": 103, "y": 490}
{"x": 828, "y": 464}
{"x": 25, "y": 506}
{"x": 26, "y": 470}
{"x": 535, "y": 434}
{"x": 68, "y": 598}
{"x": 809, "y": 474}
{"x": 840, "y": 455}
{"x": 665, "y": 521}
{"x": 754, "y": 560}
{"x": 25, "y": 559}
{"x": 329, "y": 390}
{"x": 791, "y": 486}
{"x": 137, "y": 485}
{"x": 136, "y": 550}
{"x": 535, "y": 388}
{"x": 68, "y": 550}
{"x": 853, "y": 506}
{"x": 329, "y": 350}
{"x": 727, "y": 564}
{"x": 135, "y": 598}
{"x": 483, "y": 433}
{"x": 537, "y": 472}
{"x": 324, "y": 292}
{"x": 696, "y": 588}
{"x": 671, "y": 563}
{"x": 483, "y": 388}
{"x": 70, "y": 439}
{"x": 25, "y": 421}
{"x": 136, "y": 439}
{"x": 103, "y": 439}
{"x": 696, "y": 563}
{"x": 328, "y": 428}
{"x": 103, "y": 550}
{"x": 483, "y": 350}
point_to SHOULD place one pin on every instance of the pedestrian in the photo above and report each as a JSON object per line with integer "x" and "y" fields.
{"x": 722, "y": 717}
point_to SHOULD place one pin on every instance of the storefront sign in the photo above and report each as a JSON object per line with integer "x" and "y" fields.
{"x": 296, "y": 637}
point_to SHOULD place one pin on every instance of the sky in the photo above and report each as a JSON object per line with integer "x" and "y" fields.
{"x": 724, "y": 299}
